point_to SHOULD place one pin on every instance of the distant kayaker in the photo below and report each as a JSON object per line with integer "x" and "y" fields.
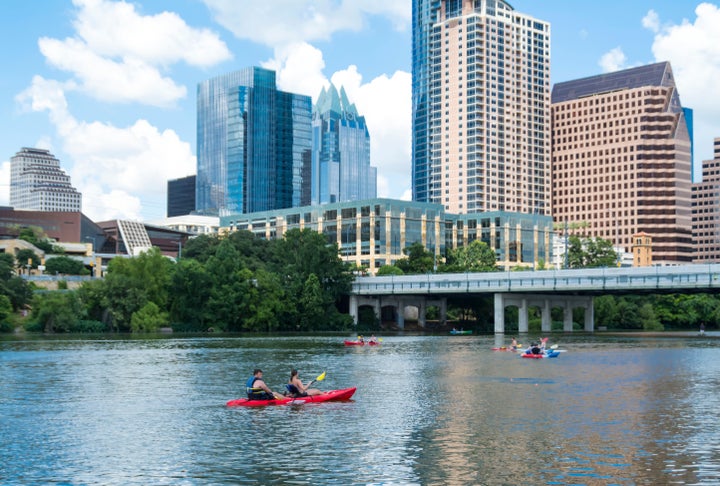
{"x": 296, "y": 387}
{"x": 513, "y": 343}
{"x": 373, "y": 339}
{"x": 702, "y": 329}
{"x": 257, "y": 389}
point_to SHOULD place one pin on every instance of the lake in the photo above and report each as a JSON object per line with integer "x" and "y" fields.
{"x": 429, "y": 410}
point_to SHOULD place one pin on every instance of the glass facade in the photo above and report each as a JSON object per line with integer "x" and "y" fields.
{"x": 253, "y": 144}
{"x": 373, "y": 232}
{"x": 181, "y": 196}
{"x": 341, "y": 168}
{"x": 480, "y": 107}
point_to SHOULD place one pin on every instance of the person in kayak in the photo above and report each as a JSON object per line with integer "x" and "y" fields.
{"x": 297, "y": 389}
{"x": 514, "y": 343}
{"x": 257, "y": 389}
{"x": 535, "y": 348}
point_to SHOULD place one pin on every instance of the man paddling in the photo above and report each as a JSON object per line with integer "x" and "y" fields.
{"x": 257, "y": 389}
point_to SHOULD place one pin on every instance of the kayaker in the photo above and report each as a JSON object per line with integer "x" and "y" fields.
{"x": 513, "y": 343}
{"x": 296, "y": 387}
{"x": 257, "y": 389}
{"x": 535, "y": 348}
{"x": 373, "y": 339}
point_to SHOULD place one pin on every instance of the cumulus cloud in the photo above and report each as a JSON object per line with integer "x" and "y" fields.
{"x": 114, "y": 167}
{"x": 290, "y": 21}
{"x": 613, "y": 60}
{"x": 651, "y": 21}
{"x": 385, "y": 102}
{"x": 693, "y": 49}
{"x": 117, "y": 53}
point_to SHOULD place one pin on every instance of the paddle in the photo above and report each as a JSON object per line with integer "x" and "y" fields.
{"x": 554, "y": 346}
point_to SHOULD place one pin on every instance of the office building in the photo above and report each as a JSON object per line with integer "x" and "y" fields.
{"x": 621, "y": 160}
{"x": 372, "y": 233}
{"x": 341, "y": 169}
{"x": 480, "y": 107}
{"x": 253, "y": 144}
{"x": 706, "y": 211}
{"x": 181, "y": 196}
{"x": 37, "y": 183}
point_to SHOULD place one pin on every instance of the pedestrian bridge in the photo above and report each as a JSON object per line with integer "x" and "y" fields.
{"x": 568, "y": 289}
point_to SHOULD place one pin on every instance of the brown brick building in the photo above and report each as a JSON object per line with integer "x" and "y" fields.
{"x": 706, "y": 211}
{"x": 622, "y": 159}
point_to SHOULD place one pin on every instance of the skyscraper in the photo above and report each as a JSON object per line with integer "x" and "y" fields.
{"x": 253, "y": 144}
{"x": 341, "y": 168}
{"x": 181, "y": 196}
{"x": 480, "y": 107}
{"x": 37, "y": 183}
{"x": 621, "y": 159}
{"x": 706, "y": 211}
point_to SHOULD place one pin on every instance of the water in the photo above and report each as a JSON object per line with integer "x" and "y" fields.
{"x": 432, "y": 410}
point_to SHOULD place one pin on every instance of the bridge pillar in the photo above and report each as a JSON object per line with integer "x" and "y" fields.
{"x": 567, "y": 317}
{"x": 523, "y": 325}
{"x": 499, "y": 311}
{"x": 545, "y": 312}
{"x": 354, "y": 308}
{"x": 443, "y": 311}
{"x": 590, "y": 316}
{"x": 422, "y": 313}
{"x": 400, "y": 314}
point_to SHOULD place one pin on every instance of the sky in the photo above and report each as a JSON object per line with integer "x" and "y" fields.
{"x": 109, "y": 86}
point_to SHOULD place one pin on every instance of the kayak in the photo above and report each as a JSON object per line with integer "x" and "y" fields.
{"x": 548, "y": 354}
{"x": 328, "y": 396}
{"x": 505, "y": 348}
{"x": 360, "y": 343}
{"x": 456, "y": 332}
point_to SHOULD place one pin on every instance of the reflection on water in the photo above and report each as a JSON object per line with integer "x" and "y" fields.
{"x": 430, "y": 410}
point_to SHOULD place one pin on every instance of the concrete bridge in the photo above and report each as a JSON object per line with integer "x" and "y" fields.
{"x": 546, "y": 289}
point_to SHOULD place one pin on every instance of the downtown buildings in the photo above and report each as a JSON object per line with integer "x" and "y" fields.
{"x": 480, "y": 107}
{"x": 37, "y": 183}
{"x": 341, "y": 169}
{"x": 253, "y": 144}
{"x": 622, "y": 159}
{"x": 706, "y": 211}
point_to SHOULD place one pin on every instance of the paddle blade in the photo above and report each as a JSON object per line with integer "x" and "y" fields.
{"x": 320, "y": 377}
{"x": 554, "y": 346}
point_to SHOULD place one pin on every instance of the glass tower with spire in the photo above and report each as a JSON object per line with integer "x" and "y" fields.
{"x": 480, "y": 107}
{"x": 341, "y": 168}
{"x": 253, "y": 144}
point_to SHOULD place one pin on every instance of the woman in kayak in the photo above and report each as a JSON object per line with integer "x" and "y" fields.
{"x": 257, "y": 389}
{"x": 297, "y": 389}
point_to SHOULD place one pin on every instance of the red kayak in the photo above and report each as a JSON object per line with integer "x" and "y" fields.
{"x": 360, "y": 343}
{"x": 328, "y": 396}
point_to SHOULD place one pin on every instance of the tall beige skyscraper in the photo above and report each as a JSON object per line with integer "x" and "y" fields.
{"x": 622, "y": 159}
{"x": 481, "y": 107}
{"x": 706, "y": 211}
{"x": 37, "y": 183}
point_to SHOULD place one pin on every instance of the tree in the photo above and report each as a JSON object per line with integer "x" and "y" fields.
{"x": 27, "y": 256}
{"x": 590, "y": 253}
{"x": 476, "y": 257}
{"x": 57, "y": 311}
{"x": 389, "y": 270}
{"x": 417, "y": 260}
{"x": 66, "y": 266}
{"x": 190, "y": 289}
{"x": 148, "y": 319}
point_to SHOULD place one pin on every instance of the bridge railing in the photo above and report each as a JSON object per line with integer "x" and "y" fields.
{"x": 681, "y": 277}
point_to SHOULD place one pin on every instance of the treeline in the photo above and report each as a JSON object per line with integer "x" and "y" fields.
{"x": 238, "y": 283}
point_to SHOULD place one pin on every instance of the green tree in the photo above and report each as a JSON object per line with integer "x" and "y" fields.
{"x": 418, "y": 260}
{"x": 148, "y": 319}
{"x": 65, "y": 265}
{"x": 476, "y": 257}
{"x": 590, "y": 253}
{"x": 190, "y": 289}
{"x": 26, "y": 255}
{"x": 5, "y": 314}
{"x": 57, "y": 311}
{"x": 389, "y": 270}
{"x": 201, "y": 247}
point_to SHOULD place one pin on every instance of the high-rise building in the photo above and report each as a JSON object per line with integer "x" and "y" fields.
{"x": 181, "y": 196}
{"x": 480, "y": 107}
{"x": 341, "y": 168}
{"x": 253, "y": 144}
{"x": 706, "y": 211}
{"x": 37, "y": 183}
{"x": 621, "y": 159}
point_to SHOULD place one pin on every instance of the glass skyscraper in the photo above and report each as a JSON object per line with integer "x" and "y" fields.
{"x": 341, "y": 168}
{"x": 480, "y": 107}
{"x": 253, "y": 144}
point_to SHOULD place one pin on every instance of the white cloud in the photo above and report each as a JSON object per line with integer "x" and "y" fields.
{"x": 693, "y": 49}
{"x": 384, "y": 101}
{"x": 115, "y": 168}
{"x": 613, "y": 60}
{"x": 651, "y": 21}
{"x": 117, "y": 53}
{"x": 289, "y": 21}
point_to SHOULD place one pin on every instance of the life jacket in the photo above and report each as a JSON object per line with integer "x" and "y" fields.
{"x": 252, "y": 392}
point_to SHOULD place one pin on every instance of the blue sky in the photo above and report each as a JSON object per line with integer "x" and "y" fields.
{"x": 109, "y": 86}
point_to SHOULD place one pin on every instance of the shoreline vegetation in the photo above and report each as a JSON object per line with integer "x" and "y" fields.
{"x": 241, "y": 283}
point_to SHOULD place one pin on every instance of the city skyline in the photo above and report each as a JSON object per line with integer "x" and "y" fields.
{"x": 109, "y": 87}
